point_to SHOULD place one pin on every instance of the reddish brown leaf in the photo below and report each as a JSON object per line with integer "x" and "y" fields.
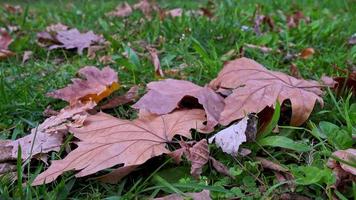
{"x": 254, "y": 87}
{"x": 47, "y": 136}
{"x": 203, "y": 195}
{"x": 198, "y": 155}
{"x": 260, "y": 20}
{"x": 155, "y": 60}
{"x": 164, "y": 96}
{"x": 307, "y": 53}
{"x": 219, "y": 167}
{"x": 267, "y": 164}
{"x": 146, "y": 8}
{"x": 13, "y": 9}
{"x": 348, "y": 155}
{"x": 122, "y": 10}
{"x": 97, "y": 85}
{"x": 73, "y": 39}
{"x": 130, "y": 96}
{"x": 294, "y": 71}
{"x": 294, "y": 19}
{"x": 346, "y": 83}
{"x": 5, "y": 41}
{"x": 106, "y": 141}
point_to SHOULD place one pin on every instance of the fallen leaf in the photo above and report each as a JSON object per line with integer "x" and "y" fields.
{"x": 106, "y": 141}
{"x": 347, "y": 83}
{"x": 177, "y": 12}
{"x": 267, "y": 164}
{"x": 97, "y": 85}
{"x": 348, "y": 155}
{"x": 155, "y": 60}
{"x": 54, "y": 28}
{"x": 260, "y": 20}
{"x": 146, "y": 8}
{"x": 203, "y": 195}
{"x": 122, "y": 10}
{"x": 130, "y": 96}
{"x": 13, "y": 9}
{"x": 198, "y": 155}
{"x": 5, "y": 41}
{"x": 294, "y": 19}
{"x": 26, "y": 56}
{"x": 263, "y": 49}
{"x": 164, "y": 96}
{"x": 328, "y": 81}
{"x": 48, "y": 136}
{"x": 294, "y": 71}
{"x": 254, "y": 88}
{"x": 230, "y": 139}
{"x": 106, "y": 59}
{"x": 352, "y": 40}
{"x": 219, "y": 167}
{"x": 307, "y": 53}
{"x": 73, "y": 39}
{"x": 49, "y": 112}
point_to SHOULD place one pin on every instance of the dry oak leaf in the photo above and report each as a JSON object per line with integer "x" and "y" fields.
{"x": 122, "y": 10}
{"x": 164, "y": 96}
{"x": 203, "y": 195}
{"x": 5, "y": 41}
{"x": 254, "y": 88}
{"x": 97, "y": 85}
{"x": 48, "y": 136}
{"x": 106, "y": 141}
{"x": 73, "y": 39}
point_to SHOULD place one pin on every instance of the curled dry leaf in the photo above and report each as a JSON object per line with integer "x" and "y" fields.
{"x": 164, "y": 96}
{"x": 47, "y": 136}
{"x": 348, "y": 155}
{"x": 307, "y": 53}
{"x": 122, "y": 10}
{"x": 294, "y": 71}
{"x": 346, "y": 83}
{"x": 106, "y": 141}
{"x": 254, "y": 88}
{"x": 198, "y": 155}
{"x": 294, "y": 19}
{"x": 177, "y": 12}
{"x": 5, "y": 41}
{"x": 146, "y": 8}
{"x": 267, "y": 164}
{"x": 26, "y": 56}
{"x": 203, "y": 195}
{"x": 230, "y": 139}
{"x": 97, "y": 85}
{"x": 155, "y": 60}
{"x": 260, "y": 20}
{"x": 130, "y": 96}
{"x": 13, "y": 9}
{"x": 219, "y": 167}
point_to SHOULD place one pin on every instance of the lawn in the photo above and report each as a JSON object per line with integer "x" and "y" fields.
{"x": 197, "y": 46}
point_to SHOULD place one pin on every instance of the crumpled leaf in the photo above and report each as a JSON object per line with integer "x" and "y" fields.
{"x": 198, "y": 155}
{"x": 47, "y": 136}
{"x": 97, "y": 85}
{"x": 164, "y": 96}
{"x": 5, "y": 41}
{"x": 254, "y": 88}
{"x": 122, "y": 10}
{"x": 73, "y": 39}
{"x": 346, "y": 83}
{"x": 155, "y": 60}
{"x": 146, "y": 8}
{"x": 260, "y": 20}
{"x": 130, "y": 96}
{"x": 177, "y": 12}
{"x": 26, "y": 56}
{"x": 203, "y": 195}
{"x": 294, "y": 19}
{"x": 343, "y": 172}
{"x": 267, "y": 164}
{"x": 106, "y": 141}
{"x": 230, "y": 139}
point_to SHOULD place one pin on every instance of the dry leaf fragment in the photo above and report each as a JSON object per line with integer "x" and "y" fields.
{"x": 26, "y": 56}
{"x": 262, "y": 19}
{"x": 294, "y": 19}
{"x": 164, "y": 96}
{"x": 5, "y": 41}
{"x": 13, "y": 9}
{"x": 348, "y": 155}
{"x": 122, "y": 10}
{"x": 97, "y": 85}
{"x": 199, "y": 156}
{"x": 146, "y": 8}
{"x": 294, "y": 71}
{"x": 203, "y": 195}
{"x": 346, "y": 83}
{"x": 307, "y": 53}
{"x": 254, "y": 88}
{"x": 54, "y": 28}
{"x": 73, "y": 39}
{"x": 177, "y": 12}
{"x": 328, "y": 81}
{"x": 219, "y": 167}
{"x": 155, "y": 60}
{"x": 263, "y": 49}
{"x": 130, "y": 96}
{"x": 230, "y": 139}
{"x": 106, "y": 141}
{"x": 267, "y": 164}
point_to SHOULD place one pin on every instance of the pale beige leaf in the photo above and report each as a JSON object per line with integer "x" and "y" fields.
{"x": 164, "y": 96}
{"x": 106, "y": 141}
{"x": 230, "y": 139}
{"x": 96, "y": 85}
{"x": 254, "y": 88}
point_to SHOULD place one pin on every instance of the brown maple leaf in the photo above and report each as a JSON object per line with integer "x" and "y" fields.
{"x": 106, "y": 141}
{"x": 122, "y": 10}
{"x": 97, "y": 85}
{"x": 165, "y": 96}
{"x": 203, "y": 195}
{"x": 47, "y": 136}
{"x": 254, "y": 88}
{"x": 5, "y": 41}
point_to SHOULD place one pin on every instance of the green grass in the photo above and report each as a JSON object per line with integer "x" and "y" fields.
{"x": 201, "y": 44}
